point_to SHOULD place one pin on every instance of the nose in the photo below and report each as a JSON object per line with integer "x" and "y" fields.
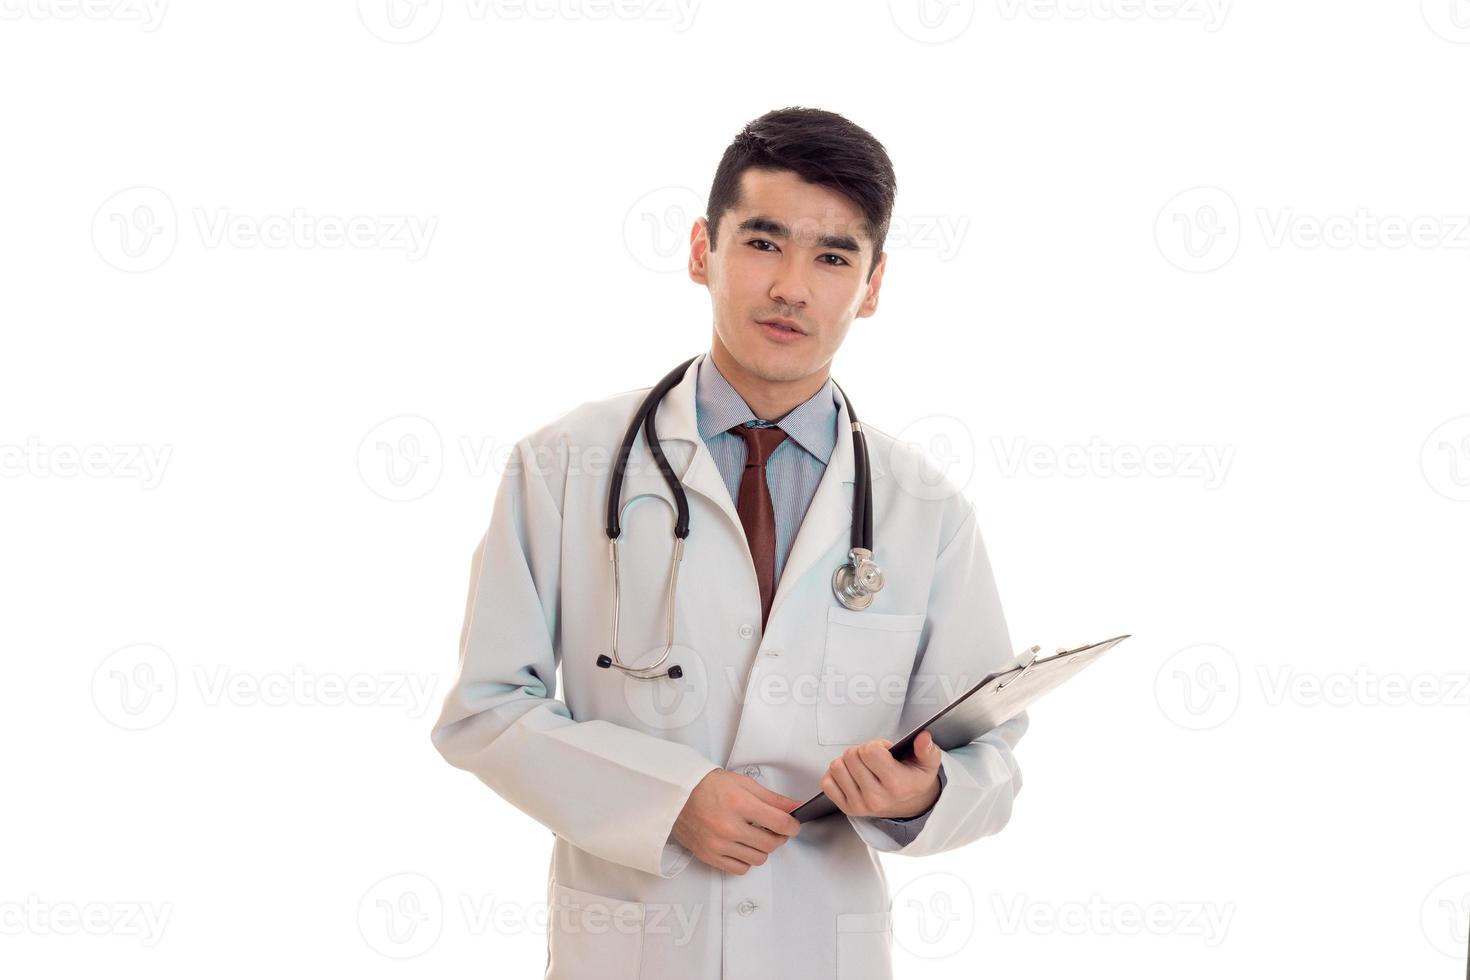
{"x": 789, "y": 288}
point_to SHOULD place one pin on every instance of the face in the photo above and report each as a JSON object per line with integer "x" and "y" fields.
{"x": 789, "y": 250}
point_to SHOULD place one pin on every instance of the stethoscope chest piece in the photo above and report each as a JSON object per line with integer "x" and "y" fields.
{"x": 856, "y": 582}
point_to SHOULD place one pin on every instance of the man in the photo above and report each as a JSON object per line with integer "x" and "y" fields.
{"x": 676, "y": 856}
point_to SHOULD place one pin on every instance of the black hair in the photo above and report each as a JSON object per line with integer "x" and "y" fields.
{"x": 821, "y": 148}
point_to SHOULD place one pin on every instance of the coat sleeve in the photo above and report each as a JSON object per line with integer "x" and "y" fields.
{"x": 610, "y": 790}
{"x": 966, "y": 627}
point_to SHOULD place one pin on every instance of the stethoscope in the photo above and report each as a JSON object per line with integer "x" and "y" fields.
{"x": 854, "y": 582}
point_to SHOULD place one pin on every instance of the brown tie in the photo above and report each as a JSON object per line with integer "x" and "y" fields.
{"x": 754, "y": 507}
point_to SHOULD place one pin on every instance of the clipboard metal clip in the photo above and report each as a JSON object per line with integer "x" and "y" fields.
{"x": 1027, "y": 657}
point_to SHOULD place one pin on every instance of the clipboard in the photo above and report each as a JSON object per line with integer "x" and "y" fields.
{"x": 995, "y": 700}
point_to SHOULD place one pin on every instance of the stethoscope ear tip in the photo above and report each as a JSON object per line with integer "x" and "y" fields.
{"x": 673, "y": 673}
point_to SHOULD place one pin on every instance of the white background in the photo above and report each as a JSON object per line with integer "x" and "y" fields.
{"x": 245, "y": 463}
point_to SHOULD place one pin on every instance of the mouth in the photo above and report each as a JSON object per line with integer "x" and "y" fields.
{"x": 782, "y": 327}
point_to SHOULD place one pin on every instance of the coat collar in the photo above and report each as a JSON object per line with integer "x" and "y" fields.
{"x": 812, "y": 424}
{"x": 828, "y": 516}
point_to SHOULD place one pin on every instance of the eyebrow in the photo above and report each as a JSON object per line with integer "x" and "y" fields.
{"x": 776, "y": 229}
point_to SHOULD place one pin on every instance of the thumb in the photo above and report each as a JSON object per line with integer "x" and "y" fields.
{"x": 928, "y": 752}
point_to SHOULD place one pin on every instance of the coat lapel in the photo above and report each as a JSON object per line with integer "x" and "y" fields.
{"x": 830, "y": 515}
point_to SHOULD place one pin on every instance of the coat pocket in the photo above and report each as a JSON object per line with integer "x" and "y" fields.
{"x": 865, "y": 674}
{"x": 864, "y": 946}
{"x": 591, "y": 935}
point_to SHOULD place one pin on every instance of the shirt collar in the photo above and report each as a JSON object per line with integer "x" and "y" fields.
{"x": 812, "y": 424}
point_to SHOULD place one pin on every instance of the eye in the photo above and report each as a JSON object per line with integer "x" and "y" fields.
{"x": 760, "y": 241}
{"x": 840, "y": 259}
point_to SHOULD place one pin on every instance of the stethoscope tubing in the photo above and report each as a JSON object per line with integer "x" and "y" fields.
{"x": 861, "y": 536}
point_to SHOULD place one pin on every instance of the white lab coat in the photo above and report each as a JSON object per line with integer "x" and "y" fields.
{"x": 609, "y": 765}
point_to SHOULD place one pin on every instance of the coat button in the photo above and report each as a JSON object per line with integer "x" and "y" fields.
{"x": 746, "y": 631}
{"x": 752, "y": 771}
{"x": 745, "y": 908}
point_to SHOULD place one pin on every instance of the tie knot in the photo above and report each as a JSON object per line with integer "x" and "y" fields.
{"x": 760, "y": 442}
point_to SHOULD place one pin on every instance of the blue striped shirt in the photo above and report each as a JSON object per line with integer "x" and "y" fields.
{"x": 794, "y": 467}
{"x": 793, "y": 470}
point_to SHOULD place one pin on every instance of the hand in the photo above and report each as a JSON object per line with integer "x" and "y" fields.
{"x": 867, "y": 781}
{"x": 731, "y": 822}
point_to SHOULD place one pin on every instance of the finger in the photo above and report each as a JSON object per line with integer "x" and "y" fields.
{"x": 743, "y": 853}
{"x": 774, "y": 798}
{"x": 868, "y": 784}
{"x": 849, "y": 787}
{"x": 760, "y": 838}
{"x": 770, "y": 817}
{"x": 731, "y": 866}
{"x": 834, "y": 792}
{"x": 880, "y": 762}
{"x": 772, "y": 810}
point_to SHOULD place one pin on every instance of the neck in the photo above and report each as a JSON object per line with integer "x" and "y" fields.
{"x": 768, "y": 399}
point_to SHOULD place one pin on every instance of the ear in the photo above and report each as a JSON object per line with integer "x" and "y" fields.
{"x": 870, "y": 300}
{"x": 699, "y": 251}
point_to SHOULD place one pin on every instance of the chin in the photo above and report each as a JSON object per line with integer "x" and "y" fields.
{"x": 779, "y": 365}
